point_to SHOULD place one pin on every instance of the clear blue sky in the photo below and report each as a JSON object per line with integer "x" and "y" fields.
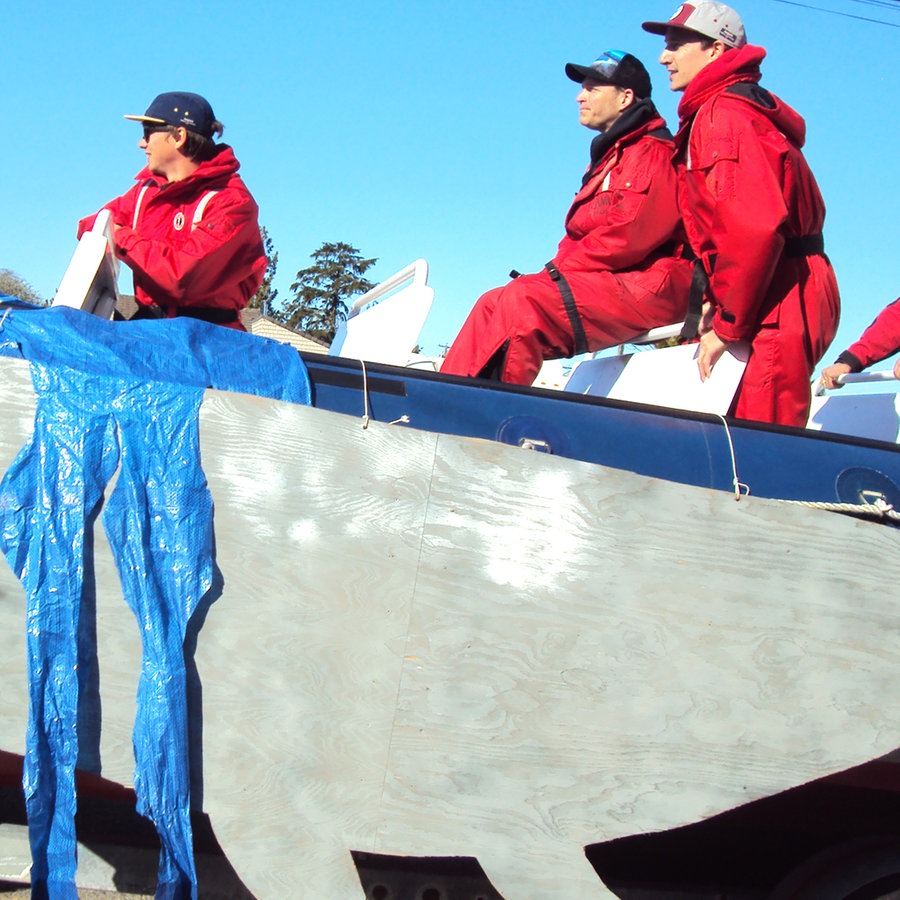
{"x": 431, "y": 129}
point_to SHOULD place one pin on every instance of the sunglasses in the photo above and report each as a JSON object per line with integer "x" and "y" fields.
{"x": 152, "y": 129}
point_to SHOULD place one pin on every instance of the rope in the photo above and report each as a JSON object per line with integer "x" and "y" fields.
{"x": 365, "y": 423}
{"x": 403, "y": 420}
{"x": 880, "y": 509}
{"x": 736, "y": 482}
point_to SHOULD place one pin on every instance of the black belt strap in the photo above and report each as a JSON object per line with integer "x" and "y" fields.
{"x": 568, "y": 300}
{"x": 699, "y": 284}
{"x": 214, "y": 314}
{"x": 805, "y": 245}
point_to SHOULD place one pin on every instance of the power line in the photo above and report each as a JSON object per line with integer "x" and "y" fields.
{"x": 835, "y": 12}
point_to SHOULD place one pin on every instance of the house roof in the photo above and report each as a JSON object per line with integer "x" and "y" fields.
{"x": 262, "y": 326}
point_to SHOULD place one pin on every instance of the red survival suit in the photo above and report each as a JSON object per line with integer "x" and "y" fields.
{"x": 615, "y": 275}
{"x": 753, "y": 214}
{"x": 879, "y": 341}
{"x": 193, "y": 245}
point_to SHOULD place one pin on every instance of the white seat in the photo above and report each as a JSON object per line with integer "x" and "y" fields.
{"x": 666, "y": 377}
{"x": 91, "y": 278}
{"x": 384, "y": 324}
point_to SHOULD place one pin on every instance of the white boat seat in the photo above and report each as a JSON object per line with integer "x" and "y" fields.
{"x": 91, "y": 278}
{"x": 384, "y": 324}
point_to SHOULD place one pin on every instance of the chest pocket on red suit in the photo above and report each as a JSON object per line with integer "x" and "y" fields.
{"x": 717, "y": 164}
{"x": 622, "y": 195}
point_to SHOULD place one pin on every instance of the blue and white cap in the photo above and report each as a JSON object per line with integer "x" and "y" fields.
{"x": 614, "y": 67}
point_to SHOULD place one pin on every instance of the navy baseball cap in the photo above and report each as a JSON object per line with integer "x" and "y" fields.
{"x": 181, "y": 109}
{"x": 614, "y": 67}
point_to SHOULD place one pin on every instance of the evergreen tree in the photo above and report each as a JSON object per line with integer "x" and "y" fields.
{"x": 318, "y": 305}
{"x": 264, "y": 298}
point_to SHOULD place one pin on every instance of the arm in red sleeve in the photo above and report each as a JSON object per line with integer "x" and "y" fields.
{"x": 742, "y": 183}
{"x": 122, "y": 210}
{"x": 634, "y": 216}
{"x": 880, "y": 340}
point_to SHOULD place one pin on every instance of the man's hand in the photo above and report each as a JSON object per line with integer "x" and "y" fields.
{"x": 711, "y": 349}
{"x": 706, "y": 318}
{"x": 833, "y": 371}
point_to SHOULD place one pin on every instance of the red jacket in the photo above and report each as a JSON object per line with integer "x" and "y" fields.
{"x": 879, "y": 341}
{"x": 745, "y": 189}
{"x": 190, "y": 243}
{"x": 621, "y": 225}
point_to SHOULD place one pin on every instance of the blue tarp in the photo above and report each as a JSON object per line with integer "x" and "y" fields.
{"x": 117, "y": 397}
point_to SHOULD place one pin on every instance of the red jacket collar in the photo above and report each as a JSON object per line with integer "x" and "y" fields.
{"x": 733, "y": 66}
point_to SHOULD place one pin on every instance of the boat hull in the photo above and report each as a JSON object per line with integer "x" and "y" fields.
{"x": 432, "y": 645}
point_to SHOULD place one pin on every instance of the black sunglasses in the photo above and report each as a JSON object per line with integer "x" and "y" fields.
{"x": 152, "y": 129}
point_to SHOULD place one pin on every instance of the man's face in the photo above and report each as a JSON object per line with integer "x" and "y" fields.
{"x": 685, "y": 56}
{"x": 160, "y": 147}
{"x": 599, "y": 105}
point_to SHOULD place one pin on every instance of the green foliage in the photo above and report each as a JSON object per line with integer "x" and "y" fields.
{"x": 264, "y": 298}
{"x": 318, "y": 305}
{"x": 15, "y": 286}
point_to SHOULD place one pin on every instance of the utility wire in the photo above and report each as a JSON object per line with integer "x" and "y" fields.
{"x": 835, "y": 12}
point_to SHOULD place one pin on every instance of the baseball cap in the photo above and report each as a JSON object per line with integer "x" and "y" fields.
{"x": 180, "y": 108}
{"x": 712, "y": 20}
{"x": 614, "y": 67}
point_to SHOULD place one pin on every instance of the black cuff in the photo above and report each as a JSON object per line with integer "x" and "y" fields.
{"x": 848, "y": 359}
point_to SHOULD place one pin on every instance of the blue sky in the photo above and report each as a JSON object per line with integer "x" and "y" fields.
{"x": 439, "y": 130}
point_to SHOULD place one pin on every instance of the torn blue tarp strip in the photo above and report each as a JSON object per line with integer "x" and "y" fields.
{"x": 117, "y": 398}
{"x": 159, "y": 523}
{"x": 183, "y": 350}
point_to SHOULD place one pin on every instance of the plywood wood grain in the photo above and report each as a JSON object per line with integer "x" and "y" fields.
{"x": 429, "y": 645}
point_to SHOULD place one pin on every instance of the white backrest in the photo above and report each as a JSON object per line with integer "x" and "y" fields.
{"x": 384, "y": 324}
{"x": 91, "y": 278}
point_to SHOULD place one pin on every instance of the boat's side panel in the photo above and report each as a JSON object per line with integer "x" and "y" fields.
{"x": 580, "y": 653}
{"x": 432, "y": 645}
{"x": 17, "y": 418}
{"x": 692, "y": 449}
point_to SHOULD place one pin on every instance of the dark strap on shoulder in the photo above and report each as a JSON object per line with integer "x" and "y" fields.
{"x": 753, "y": 92}
{"x": 662, "y": 134}
{"x": 568, "y": 299}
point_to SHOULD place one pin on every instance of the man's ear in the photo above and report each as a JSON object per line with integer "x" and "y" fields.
{"x": 718, "y": 48}
{"x": 626, "y": 98}
{"x": 180, "y": 136}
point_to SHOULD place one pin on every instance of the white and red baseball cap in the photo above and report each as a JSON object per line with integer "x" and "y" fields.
{"x": 712, "y": 20}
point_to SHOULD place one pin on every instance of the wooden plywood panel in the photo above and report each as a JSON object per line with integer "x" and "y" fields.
{"x": 573, "y": 660}
{"x": 571, "y": 682}
{"x": 16, "y": 423}
{"x": 438, "y": 646}
{"x": 318, "y": 542}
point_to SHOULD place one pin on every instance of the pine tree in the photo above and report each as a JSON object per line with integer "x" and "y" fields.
{"x": 265, "y": 295}
{"x": 320, "y": 292}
